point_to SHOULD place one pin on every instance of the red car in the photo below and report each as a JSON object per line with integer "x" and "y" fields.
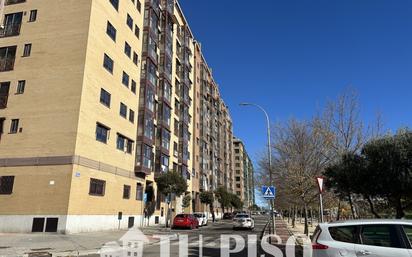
{"x": 185, "y": 221}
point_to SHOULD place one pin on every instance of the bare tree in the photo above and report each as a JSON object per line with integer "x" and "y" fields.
{"x": 300, "y": 156}
{"x": 343, "y": 127}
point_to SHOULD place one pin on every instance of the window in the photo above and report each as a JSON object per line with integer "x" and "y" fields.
{"x": 120, "y": 143}
{"x": 139, "y": 6}
{"x": 14, "y": 126}
{"x": 129, "y": 146}
{"x": 126, "y": 192}
{"x": 380, "y": 235}
{"x": 164, "y": 162}
{"x": 166, "y": 115}
{"x": 108, "y": 63}
{"x": 147, "y": 156}
{"x": 115, "y": 4}
{"x": 6, "y": 185}
{"x": 105, "y": 97}
{"x": 139, "y": 192}
{"x": 11, "y": 24}
{"x": 2, "y": 119}
{"x": 407, "y": 229}
{"x": 135, "y": 58}
{"x": 33, "y": 16}
{"x": 111, "y": 31}
{"x": 127, "y": 50}
{"x": 237, "y": 178}
{"x": 27, "y": 50}
{"x": 131, "y": 115}
{"x": 346, "y": 234}
{"x": 125, "y": 79}
{"x": 150, "y": 99}
{"x": 4, "y": 94}
{"x": 7, "y": 57}
{"x": 148, "y": 128}
{"x": 102, "y": 133}
{"x": 97, "y": 187}
{"x": 129, "y": 22}
{"x": 20, "y": 86}
{"x": 137, "y": 31}
{"x": 123, "y": 110}
{"x": 165, "y": 139}
{"x": 133, "y": 86}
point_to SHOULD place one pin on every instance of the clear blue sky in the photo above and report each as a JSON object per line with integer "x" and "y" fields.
{"x": 292, "y": 56}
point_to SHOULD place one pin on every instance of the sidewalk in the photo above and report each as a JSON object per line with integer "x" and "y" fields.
{"x": 282, "y": 230}
{"x": 67, "y": 245}
{"x": 299, "y": 228}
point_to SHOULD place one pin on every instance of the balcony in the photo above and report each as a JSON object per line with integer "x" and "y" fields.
{"x": 155, "y": 5}
{"x": 6, "y": 64}
{"x": 152, "y": 53}
{"x": 10, "y": 2}
{"x": 10, "y": 30}
{"x": 170, "y": 6}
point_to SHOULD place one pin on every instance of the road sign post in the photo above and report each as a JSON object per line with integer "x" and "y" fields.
{"x": 320, "y": 185}
{"x": 269, "y": 193}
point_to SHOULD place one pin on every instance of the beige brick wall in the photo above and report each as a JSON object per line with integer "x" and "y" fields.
{"x": 48, "y": 110}
{"x": 34, "y": 192}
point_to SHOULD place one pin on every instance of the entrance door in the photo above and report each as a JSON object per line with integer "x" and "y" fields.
{"x": 51, "y": 224}
{"x": 131, "y": 222}
{"x": 38, "y": 225}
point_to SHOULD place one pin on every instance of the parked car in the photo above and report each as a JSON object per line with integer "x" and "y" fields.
{"x": 228, "y": 216}
{"x": 185, "y": 221}
{"x": 201, "y": 218}
{"x": 243, "y": 221}
{"x": 372, "y": 238}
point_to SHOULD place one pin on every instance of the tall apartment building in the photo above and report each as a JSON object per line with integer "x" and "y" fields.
{"x": 95, "y": 101}
{"x": 244, "y": 174}
{"x": 164, "y": 138}
{"x": 213, "y": 134}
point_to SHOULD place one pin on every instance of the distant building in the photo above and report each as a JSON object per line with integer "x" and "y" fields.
{"x": 244, "y": 174}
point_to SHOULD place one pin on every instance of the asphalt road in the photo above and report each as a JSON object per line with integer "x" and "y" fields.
{"x": 211, "y": 239}
{"x": 210, "y": 242}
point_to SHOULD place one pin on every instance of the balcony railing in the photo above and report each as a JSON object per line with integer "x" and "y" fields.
{"x": 9, "y": 2}
{"x": 6, "y": 64}
{"x": 10, "y": 30}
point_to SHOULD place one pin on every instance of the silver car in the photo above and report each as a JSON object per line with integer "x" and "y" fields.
{"x": 243, "y": 221}
{"x": 372, "y": 238}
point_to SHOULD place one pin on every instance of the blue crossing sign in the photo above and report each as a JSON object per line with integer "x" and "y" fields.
{"x": 269, "y": 192}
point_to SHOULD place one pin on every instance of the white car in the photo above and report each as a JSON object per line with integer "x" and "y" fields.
{"x": 243, "y": 221}
{"x": 201, "y": 218}
{"x": 371, "y": 238}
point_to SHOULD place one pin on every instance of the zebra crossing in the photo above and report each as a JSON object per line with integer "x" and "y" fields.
{"x": 193, "y": 241}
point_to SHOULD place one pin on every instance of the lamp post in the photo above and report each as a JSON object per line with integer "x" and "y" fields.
{"x": 270, "y": 157}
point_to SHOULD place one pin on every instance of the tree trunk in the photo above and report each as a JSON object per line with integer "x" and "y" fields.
{"x": 305, "y": 214}
{"x": 399, "y": 209}
{"x": 294, "y": 217}
{"x": 311, "y": 217}
{"x": 352, "y": 207}
{"x": 339, "y": 211}
{"x": 372, "y": 207}
{"x": 168, "y": 214}
{"x": 289, "y": 214}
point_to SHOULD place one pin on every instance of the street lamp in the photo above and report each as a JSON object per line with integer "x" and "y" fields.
{"x": 269, "y": 153}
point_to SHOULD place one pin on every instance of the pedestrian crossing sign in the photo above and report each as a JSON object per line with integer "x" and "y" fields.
{"x": 269, "y": 192}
